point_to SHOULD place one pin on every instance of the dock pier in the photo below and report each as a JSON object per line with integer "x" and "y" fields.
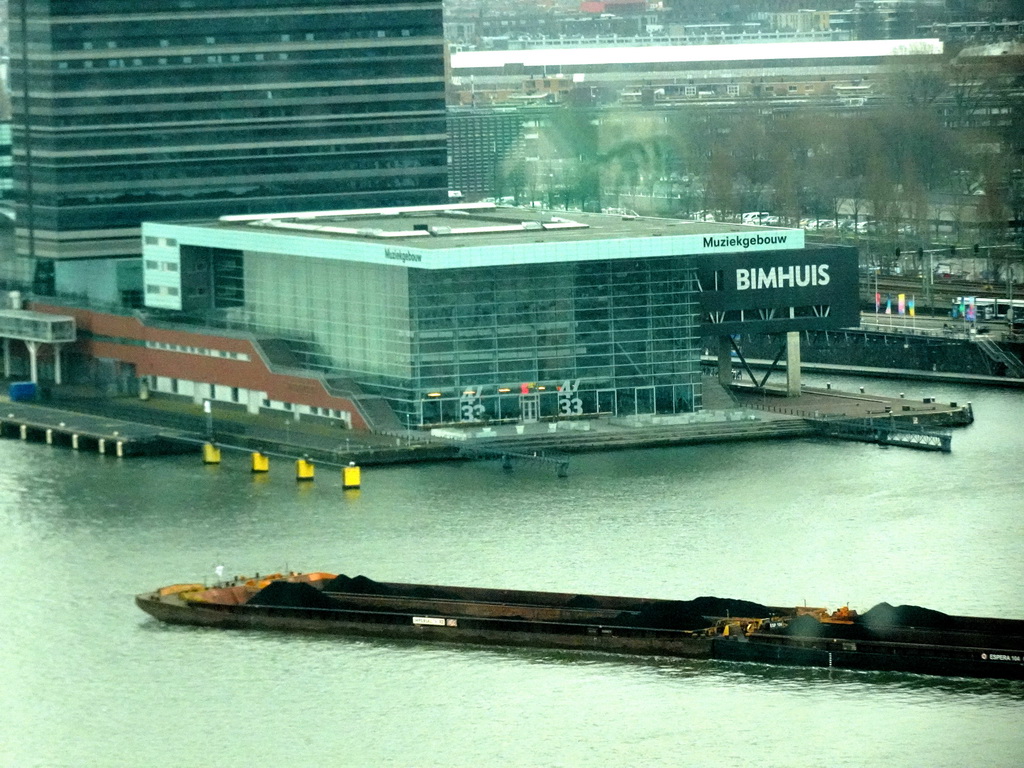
{"x": 81, "y": 431}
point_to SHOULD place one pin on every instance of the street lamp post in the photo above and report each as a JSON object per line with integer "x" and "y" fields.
{"x": 208, "y": 410}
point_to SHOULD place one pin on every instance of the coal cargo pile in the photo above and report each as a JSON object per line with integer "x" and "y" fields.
{"x": 726, "y": 607}
{"x": 699, "y": 613}
{"x": 884, "y": 616}
{"x": 291, "y": 594}
{"x": 672, "y": 614}
{"x": 360, "y": 585}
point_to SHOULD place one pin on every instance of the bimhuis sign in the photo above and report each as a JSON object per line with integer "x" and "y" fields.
{"x": 776, "y": 291}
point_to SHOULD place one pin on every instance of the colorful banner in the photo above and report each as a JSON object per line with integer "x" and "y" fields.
{"x": 888, "y": 304}
{"x": 910, "y": 306}
{"x": 901, "y": 303}
{"x": 878, "y": 301}
{"x": 971, "y": 313}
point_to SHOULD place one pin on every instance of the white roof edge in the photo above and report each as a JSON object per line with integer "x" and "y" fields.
{"x": 355, "y": 212}
{"x": 640, "y": 54}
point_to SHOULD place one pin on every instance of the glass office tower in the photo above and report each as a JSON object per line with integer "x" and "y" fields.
{"x": 163, "y": 110}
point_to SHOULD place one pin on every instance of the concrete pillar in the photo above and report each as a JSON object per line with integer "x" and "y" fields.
{"x": 7, "y": 358}
{"x": 56, "y": 363}
{"x": 33, "y": 362}
{"x": 793, "y": 364}
{"x": 724, "y": 361}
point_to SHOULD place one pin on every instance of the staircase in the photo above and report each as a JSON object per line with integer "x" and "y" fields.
{"x": 1014, "y": 367}
{"x": 304, "y": 358}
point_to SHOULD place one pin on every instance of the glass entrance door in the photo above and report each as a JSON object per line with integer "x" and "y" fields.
{"x": 529, "y": 408}
{"x": 644, "y": 401}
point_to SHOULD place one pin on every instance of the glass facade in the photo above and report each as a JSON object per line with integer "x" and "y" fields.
{"x": 617, "y": 336}
{"x": 164, "y": 110}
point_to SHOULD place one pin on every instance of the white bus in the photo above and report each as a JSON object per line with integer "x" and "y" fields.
{"x": 988, "y": 308}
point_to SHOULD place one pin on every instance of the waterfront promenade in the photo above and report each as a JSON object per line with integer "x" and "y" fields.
{"x": 736, "y": 413}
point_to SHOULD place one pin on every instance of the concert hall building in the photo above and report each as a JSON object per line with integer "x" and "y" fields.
{"x": 402, "y": 317}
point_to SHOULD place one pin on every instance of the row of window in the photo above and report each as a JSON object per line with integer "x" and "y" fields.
{"x": 227, "y": 394}
{"x": 89, "y": 45}
{"x": 205, "y": 351}
{"x": 233, "y": 58}
{"x": 312, "y": 410}
{"x": 161, "y": 266}
{"x": 354, "y": 93}
{"x": 162, "y": 290}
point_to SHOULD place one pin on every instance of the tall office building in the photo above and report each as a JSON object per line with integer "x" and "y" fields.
{"x": 165, "y": 110}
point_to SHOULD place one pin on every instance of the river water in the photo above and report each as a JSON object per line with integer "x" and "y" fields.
{"x": 89, "y": 680}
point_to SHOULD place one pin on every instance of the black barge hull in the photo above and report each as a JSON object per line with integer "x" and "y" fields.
{"x": 705, "y": 628}
{"x": 510, "y": 631}
{"x": 878, "y": 657}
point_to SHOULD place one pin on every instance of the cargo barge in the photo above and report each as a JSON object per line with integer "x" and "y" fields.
{"x": 903, "y": 638}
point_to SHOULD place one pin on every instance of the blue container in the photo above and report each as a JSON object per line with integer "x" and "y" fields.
{"x": 22, "y": 391}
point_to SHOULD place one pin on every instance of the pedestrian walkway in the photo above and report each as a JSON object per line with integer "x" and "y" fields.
{"x": 743, "y": 413}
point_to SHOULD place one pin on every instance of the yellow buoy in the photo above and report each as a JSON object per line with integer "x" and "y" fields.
{"x": 350, "y": 476}
{"x": 260, "y": 462}
{"x": 211, "y": 454}
{"x": 304, "y": 469}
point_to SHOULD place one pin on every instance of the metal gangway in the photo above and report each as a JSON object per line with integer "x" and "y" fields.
{"x": 507, "y": 454}
{"x": 885, "y": 432}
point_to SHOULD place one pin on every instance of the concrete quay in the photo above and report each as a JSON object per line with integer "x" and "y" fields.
{"x": 173, "y": 425}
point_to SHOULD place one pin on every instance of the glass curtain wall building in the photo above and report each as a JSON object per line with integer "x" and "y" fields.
{"x": 510, "y": 321}
{"x": 614, "y": 337}
{"x": 161, "y": 110}
{"x": 475, "y": 344}
{"x": 488, "y": 343}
